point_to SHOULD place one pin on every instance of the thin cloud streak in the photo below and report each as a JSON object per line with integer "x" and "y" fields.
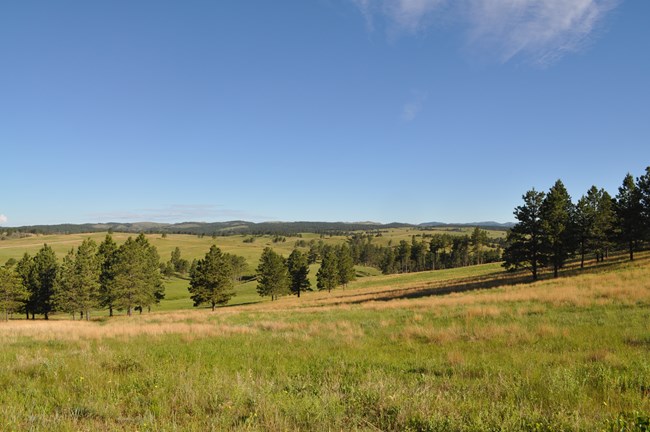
{"x": 412, "y": 108}
{"x": 542, "y": 31}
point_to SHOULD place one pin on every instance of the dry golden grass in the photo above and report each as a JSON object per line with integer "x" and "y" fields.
{"x": 123, "y": 328}
{"x": 627, "y": 285}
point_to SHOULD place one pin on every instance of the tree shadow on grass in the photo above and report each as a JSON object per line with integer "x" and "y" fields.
{"x": 495, "y": 280}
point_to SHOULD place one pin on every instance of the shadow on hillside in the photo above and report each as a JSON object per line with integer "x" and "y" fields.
{"x": 502, "y": 280}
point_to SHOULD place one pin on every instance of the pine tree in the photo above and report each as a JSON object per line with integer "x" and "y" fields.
{"x": 211, "y": 279}
{"x": 603, "y": 222}
{"x": 585, "y": 216}
{"x": 345, "y": 265}
{"x": 557, "y": 223}
{"x": 178, "y": 264}
{"x": 478, "y": 239}
{"x": 525, "y": 241}
{"x": 272, "y": 275}
{"x": 643, "y": 185}
{"x": 154, "y": 289}
{"x": 328, "y": 275}
{"x": 45, "y": 271}
{"x": 88, "y": 269}
{"x": 239, "y": 266}
{"x": 25, "y": 270}
{"x": 629, "y": 213}
{"x": 137, "y": 281}
{"x": 298, "y": 272}
{"x": 12, "y": 292}
{"x": 107, "y": 256}
{"x": 403, "y": 256}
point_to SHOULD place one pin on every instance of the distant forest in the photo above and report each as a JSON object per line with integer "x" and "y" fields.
{"x": 234, "y": 228}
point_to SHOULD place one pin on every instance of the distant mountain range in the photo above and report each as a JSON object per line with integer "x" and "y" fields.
{"x": 241, "y": 227}
{"x": 485, "y": 224}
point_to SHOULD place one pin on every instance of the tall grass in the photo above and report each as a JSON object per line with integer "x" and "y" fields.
{"x": 565, "y": 354}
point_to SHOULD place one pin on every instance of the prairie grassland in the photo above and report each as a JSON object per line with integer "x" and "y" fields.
{"x": 192, "y": 246}
{"x": 461, "y": 352}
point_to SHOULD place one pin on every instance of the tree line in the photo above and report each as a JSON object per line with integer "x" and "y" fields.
{"x": 430, "y": 252}
{"x": 551, "y": 228}
{"x": 92, "y": 277}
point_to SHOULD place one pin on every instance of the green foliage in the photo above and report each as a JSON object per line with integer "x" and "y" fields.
{"x": 298, "y": 268}
{"x": 328, "y": 273}
{"x": 211, "y": 279}
{"x": 239, "y": 266}
{"x": 478, "y": 239}
{"x": 137, "y": 281}
{"x": 345, "y": 265}
{"x": 593, "y": 222}
{"x": 176, "y": 263}
{"x": 12, "y": 292}
{"x": 25, "y": 270}
{"x": 526, "y": 242}
{"x": 78, "y": 287}
{"x": 643, "y": 185}
{"x": 557, "y": 225}
{"x": 107, "y": 256}
{"x": 629, "y": 215}
{"x": 45, "y": 268}
{"x": 272, "y": 275}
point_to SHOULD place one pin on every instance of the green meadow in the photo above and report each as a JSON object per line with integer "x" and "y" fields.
{"x": 467, "y": 349}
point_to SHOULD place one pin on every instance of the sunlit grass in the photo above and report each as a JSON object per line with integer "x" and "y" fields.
{"x": 559, "y": 354}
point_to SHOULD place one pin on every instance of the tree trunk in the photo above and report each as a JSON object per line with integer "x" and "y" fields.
{"x": 555, "y": 267}
{"x": 110, "y": 310}
{"x": 26, "y": 314}
{"x": 582, "y": 259}
{"x": 128, "y": 311}
{"x": 213, "y": 306}
{"x": 298, "y": 293}
{"x": 631, "y": 250}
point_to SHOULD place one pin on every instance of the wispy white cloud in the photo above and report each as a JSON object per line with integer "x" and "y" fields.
{"x": 3, "y": 218}
{"x": 540, "y": 30}
{"x": 411, "y": 14}
{"x": 413, "y": 106}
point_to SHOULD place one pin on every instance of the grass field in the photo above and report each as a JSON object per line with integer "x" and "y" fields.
{"x": 459, "y": 350}
{"x": 194, "y": 247}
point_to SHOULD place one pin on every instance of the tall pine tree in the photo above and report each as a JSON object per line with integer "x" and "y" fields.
{"x": 629, "y": 213}
{"x": 107, "y": 256}
{"x": 211, "y": 279}
{"x": 45, "y": 271}
{"x": 557, "y": 224}
{"x": 272, "y": 275}
{"x": 525, "y": 241}
{"x": 12, "y": 292}
{"x": 328, "y": 273}
{"x": 345, "y": 265}
{"x": 298, "y": 272}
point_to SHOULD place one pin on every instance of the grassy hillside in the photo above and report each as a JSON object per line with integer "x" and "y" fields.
{"x": 466, "y": 349}
{"x": 192, "y": 246}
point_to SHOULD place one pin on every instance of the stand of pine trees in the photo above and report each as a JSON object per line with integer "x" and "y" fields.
{"x": 552, "y": 229}
{"x": 91, "y": 277}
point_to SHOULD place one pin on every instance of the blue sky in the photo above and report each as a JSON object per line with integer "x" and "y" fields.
{"x": 328, "y": 110}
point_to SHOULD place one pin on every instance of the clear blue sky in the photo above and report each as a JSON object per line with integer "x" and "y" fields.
{"x": 327, "y": 110}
